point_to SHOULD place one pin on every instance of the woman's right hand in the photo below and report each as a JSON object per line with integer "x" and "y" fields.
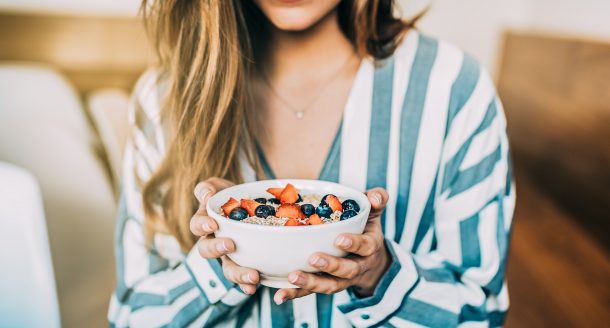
{"x": 217, "y": 248}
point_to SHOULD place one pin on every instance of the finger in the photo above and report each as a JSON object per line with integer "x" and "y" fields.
{"x": 202, "y": 225}
{"x": 339, "y": 267}
{"x": 286, "y": 294}
{"x": 210, "y": 187}
{"x": 246, "y": 278}
{"x": 213, "y": 248}
{"x": 204, "y": 190}
{"x": 366, "y": 244}
{"x": 323, "y": 284}
{"x": 247, "y": 289}
{"x": 378, "y": 198}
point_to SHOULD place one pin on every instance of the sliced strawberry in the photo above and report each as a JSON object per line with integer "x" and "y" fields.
{"x": 250, "y": 206}
{"x": 229, "y": 206}
{"x": 291, "y": 211}
{"x": 276, "y": 192}
{"x": 314, "y": 219}
{"x": 293, "y": 223}
{"x": 334, "y": 203}
{"x": 289, "y": 195}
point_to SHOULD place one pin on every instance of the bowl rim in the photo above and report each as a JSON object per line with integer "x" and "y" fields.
{"x": 363, "y": 201}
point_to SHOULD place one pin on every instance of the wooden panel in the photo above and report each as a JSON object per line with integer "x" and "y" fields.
{"x": 557, "y": 274}
{"x": 92, "y": 51}
{"x": 556, "y": 94}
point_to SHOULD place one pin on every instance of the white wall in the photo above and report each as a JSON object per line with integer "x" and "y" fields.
{"x": 477, "y": 25}
{"x": 587, "y": 18}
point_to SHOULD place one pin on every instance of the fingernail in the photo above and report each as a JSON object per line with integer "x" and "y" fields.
{"x": 377, "y": 198}
{"x": 246, "y": 277}
{"x": 344, "y": 242}
{"x": 278, "y": 299}
{"x": 295, "y": 279}
{"x": 206, "y": 227}
{"x": 319, "y": 262}
{"x": 221, "y": 247}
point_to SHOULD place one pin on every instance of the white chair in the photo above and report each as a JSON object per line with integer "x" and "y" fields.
{"x": 27, "y": 285}
{"x": 44, "y": 129}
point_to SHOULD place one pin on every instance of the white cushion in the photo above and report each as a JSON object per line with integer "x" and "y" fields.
{"x": 43, "y": 129}
{"x": 27, "y": 287}
{"x": 108, "y": 110}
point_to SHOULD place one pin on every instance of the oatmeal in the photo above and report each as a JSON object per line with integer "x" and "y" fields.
{"x": 289, "y": 208}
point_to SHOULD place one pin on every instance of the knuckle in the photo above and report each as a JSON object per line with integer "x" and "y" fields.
{"x": 327, "y": 291}
{"x": 354, "y": 272}
{"x": 333, "y": 266}
{"x": 202, "y": 248}
{"x": 230, "y": 273}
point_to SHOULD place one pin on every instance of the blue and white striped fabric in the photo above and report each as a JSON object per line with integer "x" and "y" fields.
{"x": 426, "y": 125}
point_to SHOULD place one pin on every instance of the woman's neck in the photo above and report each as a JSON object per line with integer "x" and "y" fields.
{"x": 311, "y": 53}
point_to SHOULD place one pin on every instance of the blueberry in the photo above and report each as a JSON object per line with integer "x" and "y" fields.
{"x": 261, "y": 200}
{"x": 323, "y": 200}
{"x": 264, "y": 211}
{"x": 300, "y": 199}
{"x": 348, "y": 214}
{"x": 238, "y": 214}
{"x": 273, "y": 201}
{"x": 308, "y": 209}
{"x": 324, "y": 210}
{"x": 351, "y": 204}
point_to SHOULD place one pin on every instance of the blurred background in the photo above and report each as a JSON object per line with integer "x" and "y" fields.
{"x": 66, "y": 71}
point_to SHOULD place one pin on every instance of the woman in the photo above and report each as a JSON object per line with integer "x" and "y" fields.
{"x": 334, "y": 90}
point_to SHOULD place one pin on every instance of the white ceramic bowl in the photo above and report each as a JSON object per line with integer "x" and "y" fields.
{"x": 276, "y": 251}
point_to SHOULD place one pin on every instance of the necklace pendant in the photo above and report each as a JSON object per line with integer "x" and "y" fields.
{"x": 299, "y": 115}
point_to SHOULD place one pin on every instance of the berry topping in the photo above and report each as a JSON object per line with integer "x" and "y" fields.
{"x": 238, "y": 214}
{"x": 263, "y": 211}
{"x": 261, "y": 200}
{"x": 348, "y": 214}
{"x": 289, "y": 195}
{"x": 351, "y": 204}
{"x": 273, "y": 201}
{"x": 249, "y": 205}
{"x": 229, "y": 206}
{"x": 293, "y": 223}
{"x": 314, "y": 220}
{"x": 291, "y": 211}
{"x": 308, "y": 209}
{"x": 276, "y": 192}
{"x": 300, "y": 199}
{"x": 334, "y": 203}
{"x": 324, "y": 210}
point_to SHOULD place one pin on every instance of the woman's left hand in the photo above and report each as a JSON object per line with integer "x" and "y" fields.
{"x": 362, "y": 269}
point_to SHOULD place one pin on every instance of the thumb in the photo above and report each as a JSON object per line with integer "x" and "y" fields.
{"x": 378, "y": 198}
{"x": 203, "y": 190}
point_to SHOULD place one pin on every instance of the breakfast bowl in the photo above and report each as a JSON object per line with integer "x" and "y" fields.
{"x": 275, "y": 251}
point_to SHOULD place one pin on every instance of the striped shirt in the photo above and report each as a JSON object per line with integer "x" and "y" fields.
{"x": 425, "y": 124}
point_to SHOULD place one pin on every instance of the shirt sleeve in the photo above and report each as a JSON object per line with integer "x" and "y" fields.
{"x": 461, "y": 279}
{"x": 154, "y": 291}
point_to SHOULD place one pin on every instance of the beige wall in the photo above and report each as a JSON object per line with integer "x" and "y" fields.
{"x": 474, "y": 25}
{"x": 120, "y": 8}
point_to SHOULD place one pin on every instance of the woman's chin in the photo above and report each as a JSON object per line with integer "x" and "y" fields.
{"x": 293, "y": 24}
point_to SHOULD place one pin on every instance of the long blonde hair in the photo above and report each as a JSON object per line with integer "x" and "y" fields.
{"x": 207, "y": 51}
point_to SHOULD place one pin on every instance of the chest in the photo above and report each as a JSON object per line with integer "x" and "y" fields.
{"x": 300, "y": 124}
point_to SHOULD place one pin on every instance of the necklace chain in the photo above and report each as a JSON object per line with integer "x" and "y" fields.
{"x": 300, "y": 113}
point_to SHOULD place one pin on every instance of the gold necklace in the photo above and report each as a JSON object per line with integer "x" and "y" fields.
{"x": 299, "y": 113}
